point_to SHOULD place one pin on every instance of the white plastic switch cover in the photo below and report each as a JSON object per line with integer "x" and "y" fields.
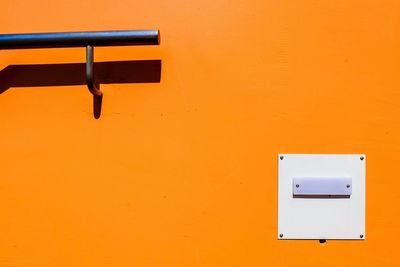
{"x": 321, "y": 196}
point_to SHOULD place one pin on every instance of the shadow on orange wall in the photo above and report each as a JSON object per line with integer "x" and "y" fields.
{"x": 114, "y": 72}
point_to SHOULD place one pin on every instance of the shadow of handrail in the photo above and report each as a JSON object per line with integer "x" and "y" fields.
{"x": 112, "y": 72}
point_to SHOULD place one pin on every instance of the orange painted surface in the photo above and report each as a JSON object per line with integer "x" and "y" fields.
{"x": 184, "y": 172}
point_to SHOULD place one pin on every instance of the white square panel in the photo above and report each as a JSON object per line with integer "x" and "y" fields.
{"x": 315, "y": 213}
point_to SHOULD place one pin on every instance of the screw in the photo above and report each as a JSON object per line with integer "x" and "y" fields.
{"x": 361, "y": 236}
{"x": 281, "y": 157}
{"x": 348, "y": 186}
{"x": 362, "y": 157}
{"x": 297, "y": 185}
{"x": 281, "y": 235}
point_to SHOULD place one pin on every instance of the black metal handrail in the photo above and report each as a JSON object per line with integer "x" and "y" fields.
{"x": 76, "y": 39}
{"x": 81, "y": 39}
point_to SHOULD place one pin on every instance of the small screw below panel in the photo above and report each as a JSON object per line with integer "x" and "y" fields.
{"x": 297, "y": 185}
{"x": 361, "y": 236}
{"x": 348, "y": 186}
{"x": 322, "y": 241}
{"x": 362, "y": 158}
{"x": 281, "y": 157}
{"x": 280, "y": 235}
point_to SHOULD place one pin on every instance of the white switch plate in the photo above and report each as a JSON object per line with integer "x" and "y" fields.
{"x": 321, "y": 217}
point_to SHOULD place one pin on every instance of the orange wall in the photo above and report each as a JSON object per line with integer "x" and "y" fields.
{"x": 184, "y": 172}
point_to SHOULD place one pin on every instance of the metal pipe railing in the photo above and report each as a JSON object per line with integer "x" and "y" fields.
{"x": 81, "y": 39}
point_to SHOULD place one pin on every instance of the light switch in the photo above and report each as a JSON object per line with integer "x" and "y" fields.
{"x": 321, "y": 196}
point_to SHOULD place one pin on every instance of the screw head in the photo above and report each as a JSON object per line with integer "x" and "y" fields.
{"x": 281, "y": 235}
{"x": 281, "y": 157}
{"x": 348, "y": 186}
{"x": 361, "y": 236}
{"x": 297, "y": 185}
{"x": 362, "y": 157}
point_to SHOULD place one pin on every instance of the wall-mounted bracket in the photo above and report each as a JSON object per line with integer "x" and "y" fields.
{"x": 91, "y": 83}
{"x": 90, "y": 72}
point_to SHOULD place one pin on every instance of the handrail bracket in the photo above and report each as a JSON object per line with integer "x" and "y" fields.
{"x": 93, "y": 87}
